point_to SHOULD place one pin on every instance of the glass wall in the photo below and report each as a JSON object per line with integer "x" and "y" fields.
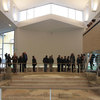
{"x": 1, "y": 46}
{"x": 6, "y": 44}
{"x": 93, "y": 61}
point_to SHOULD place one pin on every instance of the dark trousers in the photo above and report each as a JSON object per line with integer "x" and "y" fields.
{"x": 58, "y": 67}
{"x": 23, "y": 67}
{"x": 68, "y": 67}
{"x": 20, "y": 67}
{"x": 73, "y": 66}
{"x": 45, "y": 67}
{"x": 62, "y": 67}
{"x": 91, "y": 65}
{"x": 34, "y": 68}
{"x": 14, "y": 68}
{"x": 78, "y": 67}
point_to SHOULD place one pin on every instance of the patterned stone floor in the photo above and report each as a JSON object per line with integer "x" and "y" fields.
{"x": 36, "y": 94}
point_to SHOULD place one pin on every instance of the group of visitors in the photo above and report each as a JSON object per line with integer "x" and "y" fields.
{"x": 22, "y": 60}
{"x": 66, "y": 63}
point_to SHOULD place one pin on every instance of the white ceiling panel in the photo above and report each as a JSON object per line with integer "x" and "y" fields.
{"x": 25, "y": 4}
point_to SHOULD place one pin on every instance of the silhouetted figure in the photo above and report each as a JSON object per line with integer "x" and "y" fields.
{"x": 78, "y": 62}
{"x": 25, "y": 58}
{"x": 62, "y": 64}
{"x": 65, "y": 62}
{"x": 20, "y": 61}
{"x": 68, "y": 63}
{"x": 14, "y": 61}
{"x": 9, "y": 60}
{"x": 34, "y": 63}
{"x": 58, "y": 63}
{"x": 72, "y": 60}
{"x": 51, "y": 61}
{"x": 45, "y": 61}
{"x": 91, "y": 61}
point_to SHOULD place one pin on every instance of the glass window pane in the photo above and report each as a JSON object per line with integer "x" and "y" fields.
{"x": 22, "y": 16}
{"x": 9, "y": 37}
{"x": 30, "y": 13}
{"x": 79, "y": 15}
{"x": 43, "y": 10}
{"x": 0, "y": 51}
{"x": 71, "y": 13}
{"x": 8, "y": 48}
{"x": 59, "y": 10}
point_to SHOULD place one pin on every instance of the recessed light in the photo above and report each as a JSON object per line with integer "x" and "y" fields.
{"x": 10, "y": 25}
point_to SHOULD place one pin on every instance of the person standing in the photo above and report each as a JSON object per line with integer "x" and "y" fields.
{"x": 14, "y": 61}
{"x": 68, "y": 63}
{"x": 9, "y": 60}
{"x": 91, "y": 61}
{"x": 25, "y": 58}
{"x": 20, "y": 61}
{"x": 45, "y": 61}
{"x": 62, "y": 64}
{"x": 58, "y": 62}
{"x": 65, "y": 63}
{"x": 34, "y": 63}
{"x": 51, "y": 61}
{"x": 78, "y": 63}
{"x": 72, "y": 59}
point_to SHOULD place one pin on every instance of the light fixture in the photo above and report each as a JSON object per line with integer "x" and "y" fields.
{"x": 9, "y": 25}
{"x": 6, "y": 5}
{"x": 86, "y": 14}
{"x": 94, "y": 5}
{"x": 15, "y": 14}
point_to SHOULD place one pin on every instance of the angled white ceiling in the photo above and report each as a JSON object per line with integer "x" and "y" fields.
{"x": 25, "y": 4}
{"x": 50, "y": 26}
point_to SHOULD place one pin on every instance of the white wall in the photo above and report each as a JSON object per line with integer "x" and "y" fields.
{"x": 41, "y": 43}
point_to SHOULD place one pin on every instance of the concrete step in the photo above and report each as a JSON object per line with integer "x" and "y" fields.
{"x": 42, "y": 78}
{"x": 54, "y": 83}
{"x": 47, "y": 87}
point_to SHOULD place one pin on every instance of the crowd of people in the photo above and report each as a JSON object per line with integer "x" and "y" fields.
{"x": 64, "y": 64}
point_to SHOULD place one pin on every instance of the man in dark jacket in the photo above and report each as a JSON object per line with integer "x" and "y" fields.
{"x": 25, "y": 58}
{"x": 45, "y": 61}
{"x": 20, "y": 61}
{"x": 58, "y": 62}
{"x": 78, "y": 62}
{"x": 34, "y": 63}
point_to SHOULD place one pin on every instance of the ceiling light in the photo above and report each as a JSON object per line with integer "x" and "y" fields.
{"x": 94, "y": 5}
{"x": 10, "y": 25}
{"x": 15, "y": 14}
{"x": 6, "y": 5}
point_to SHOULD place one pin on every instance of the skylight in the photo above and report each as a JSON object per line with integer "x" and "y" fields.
{"x": 51, "y": 9}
